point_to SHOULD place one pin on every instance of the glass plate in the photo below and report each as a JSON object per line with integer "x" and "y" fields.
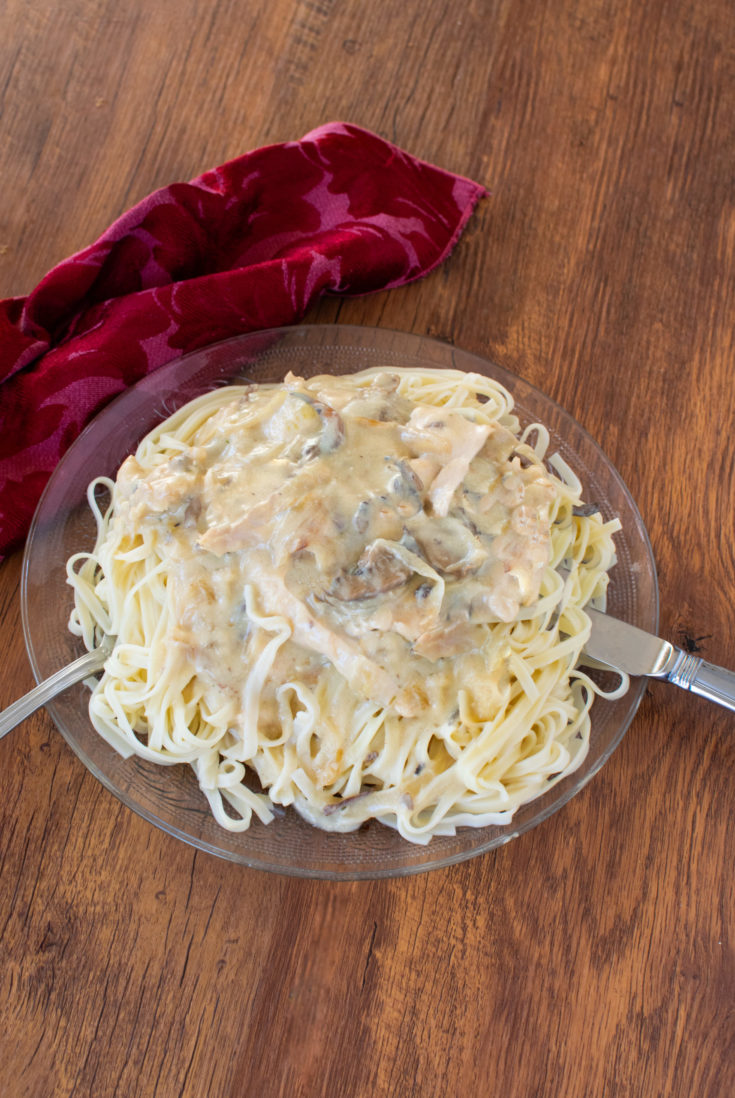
{"x": 169, "y": 797}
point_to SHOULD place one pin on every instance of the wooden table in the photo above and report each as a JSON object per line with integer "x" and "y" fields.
{"x": 594, "y": 955}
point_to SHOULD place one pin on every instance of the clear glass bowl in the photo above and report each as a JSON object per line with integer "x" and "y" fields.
{"x": 169, "y": 797}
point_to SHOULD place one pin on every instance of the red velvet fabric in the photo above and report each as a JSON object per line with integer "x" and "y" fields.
{"x": 248, "y": 245}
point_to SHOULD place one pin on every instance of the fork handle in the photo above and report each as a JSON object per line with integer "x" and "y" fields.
{"x": 49, "y": 688}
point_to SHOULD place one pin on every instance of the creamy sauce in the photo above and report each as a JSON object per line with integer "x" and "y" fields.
{"x": 382, "y": 531}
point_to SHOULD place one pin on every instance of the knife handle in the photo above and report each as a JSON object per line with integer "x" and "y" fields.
{"x": 695, "y": 674}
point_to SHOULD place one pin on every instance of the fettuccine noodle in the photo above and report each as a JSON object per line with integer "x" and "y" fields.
{"x": 366, "y": 591}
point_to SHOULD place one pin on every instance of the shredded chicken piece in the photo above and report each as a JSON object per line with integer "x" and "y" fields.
{"x": 447, "y": 481}
{"x": 454, "y": 439}
{"x": 451, "y": 640}
{"x": 343, "y": 653}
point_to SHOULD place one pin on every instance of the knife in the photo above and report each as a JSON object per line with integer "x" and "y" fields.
{"x": 627, "y": 648}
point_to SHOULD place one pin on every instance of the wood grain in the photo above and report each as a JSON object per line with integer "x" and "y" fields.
{"x": 594, "y": 955}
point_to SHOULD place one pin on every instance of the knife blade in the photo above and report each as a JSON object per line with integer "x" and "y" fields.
{"x": 627, "y": 648}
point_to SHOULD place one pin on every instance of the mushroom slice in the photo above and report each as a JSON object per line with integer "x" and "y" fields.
{"x": 448, "y": 545}
{"x": 405, "y": 487}
{"x": 333, "y": 429}
{"x": 378, "y": 570}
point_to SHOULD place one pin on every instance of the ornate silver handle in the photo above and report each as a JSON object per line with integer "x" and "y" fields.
{"x": 55, "y": 684}
{"x": 695, "y": 674}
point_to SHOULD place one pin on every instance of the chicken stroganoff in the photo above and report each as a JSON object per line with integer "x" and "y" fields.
{"x": 366, "y": 592}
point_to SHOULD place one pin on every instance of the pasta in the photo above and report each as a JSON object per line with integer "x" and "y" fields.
{"x": 366, "y": 592}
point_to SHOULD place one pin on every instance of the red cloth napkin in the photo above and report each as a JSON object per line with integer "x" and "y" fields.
{"x": 246, "y": 246}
